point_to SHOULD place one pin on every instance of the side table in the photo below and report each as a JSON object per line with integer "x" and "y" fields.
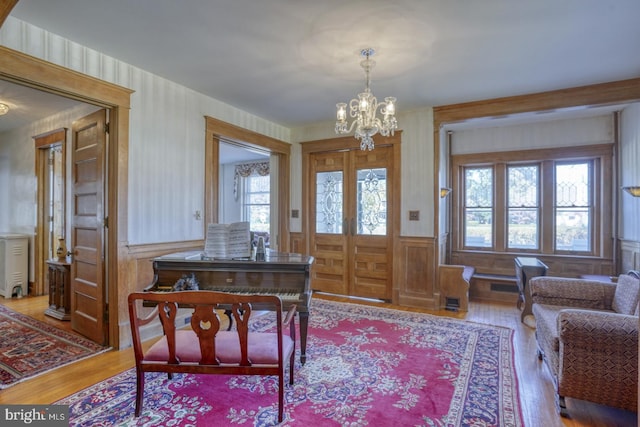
{"x": 59, "y": 289}
{"x": 526, "y": 268}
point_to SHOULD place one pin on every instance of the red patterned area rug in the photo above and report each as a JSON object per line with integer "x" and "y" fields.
{"x": 29, "y": 347}
{"x": 366, "y": 366}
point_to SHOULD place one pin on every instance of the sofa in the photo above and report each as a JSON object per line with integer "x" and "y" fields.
{"x": 587, "y": 334}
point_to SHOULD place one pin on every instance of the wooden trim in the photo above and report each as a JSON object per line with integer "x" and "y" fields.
{"x": 5, "y": 9}
{"x": 601, "y": 236}
{"x": 33, "y": 72}
{"x": 584, "y": 96}
{"x": 342, "y": 143}
{"x": 41, "y": 142}
{"x": 217, "y": 130}
{"x": 622, "y": 91}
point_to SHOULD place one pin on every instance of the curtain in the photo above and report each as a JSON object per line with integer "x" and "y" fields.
{"x": 247, "y": 169}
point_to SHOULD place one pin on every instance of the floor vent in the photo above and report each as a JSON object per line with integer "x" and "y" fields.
{"x": 501, "y": 287}
{"x": 452, "y": 304}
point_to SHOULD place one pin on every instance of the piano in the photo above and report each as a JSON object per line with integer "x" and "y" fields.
{"x": 282, "y": 274}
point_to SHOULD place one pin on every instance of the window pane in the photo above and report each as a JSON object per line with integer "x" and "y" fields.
{"x": 523, "y": 208}
{"x": 372, "y": 201}
{"x": 257, "y": 199}
{"x": 329, "y": 202}
{"x": 573, "y": 207}
{"x": 478, "y": 229}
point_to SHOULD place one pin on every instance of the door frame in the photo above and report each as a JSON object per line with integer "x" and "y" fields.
{"x": 217, "y": 130}
{"x": 27, "y": 70}
{"x": 351, "y": 143}
{"x": 41, "y": 143}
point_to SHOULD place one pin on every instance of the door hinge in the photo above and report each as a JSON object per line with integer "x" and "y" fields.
{"x": 106, "y": 127}
{"x": 105, "y": 222}
{"x": 106, "y": 313}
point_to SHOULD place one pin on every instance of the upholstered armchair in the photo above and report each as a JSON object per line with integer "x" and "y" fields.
{"x": 587, "y": 333}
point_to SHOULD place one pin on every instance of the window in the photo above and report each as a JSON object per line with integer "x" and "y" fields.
{"x": 256, "y": 202}
{"x": 536, "y": 201}
{"x": 523, "y": 208}
{"x": 573, "y": 206}
{"x": 478, "y": 184}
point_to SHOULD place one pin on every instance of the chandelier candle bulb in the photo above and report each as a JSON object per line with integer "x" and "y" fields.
{"x": 342, "y": 111}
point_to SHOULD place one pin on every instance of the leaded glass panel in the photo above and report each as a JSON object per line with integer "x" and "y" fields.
{"x": 523, "y": 206}
{"x": 329, "y": 202}
{"x": 372, "y": 201}
{"x": 573, "y": 207}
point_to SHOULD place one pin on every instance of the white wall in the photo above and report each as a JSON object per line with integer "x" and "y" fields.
{"x": 19, "y": 189}
{"x": 166, "y": 139}
{"x": 230, "y": 208}
{"x": 548, "y": 134}
{"x": 630, "y": 172}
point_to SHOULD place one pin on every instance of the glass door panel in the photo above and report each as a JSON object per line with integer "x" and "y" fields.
{"x": 329, "y": 206}
{"x": 371, "y": 202}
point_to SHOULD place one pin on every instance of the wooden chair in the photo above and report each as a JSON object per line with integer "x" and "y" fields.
{"x": 205, "y": 349}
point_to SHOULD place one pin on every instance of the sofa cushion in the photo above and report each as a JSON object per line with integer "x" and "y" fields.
{"x": 547, "y": 325}
{"x": 625, "y": 299}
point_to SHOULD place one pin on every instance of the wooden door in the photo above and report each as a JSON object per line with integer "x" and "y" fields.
{"x": 350, "y": 226}
{"x": 88, "y": 301}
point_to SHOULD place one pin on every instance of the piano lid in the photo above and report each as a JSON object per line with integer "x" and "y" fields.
{"x": 270, "y": 256}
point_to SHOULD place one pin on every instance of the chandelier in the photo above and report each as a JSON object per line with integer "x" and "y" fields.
{"x": 364, "y": 109}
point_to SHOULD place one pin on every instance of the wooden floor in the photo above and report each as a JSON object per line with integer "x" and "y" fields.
{"x": 537, "y": 397}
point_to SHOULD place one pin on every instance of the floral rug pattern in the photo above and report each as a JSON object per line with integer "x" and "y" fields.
{"x": 29, "y": 347}
{"x": 366, "y": 366}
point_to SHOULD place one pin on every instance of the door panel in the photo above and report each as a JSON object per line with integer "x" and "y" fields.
{"x": 372, "y": 244}
{"x": 351, "y": 237}
{"x": 88, "y": 302}
{"x": 328, "y": 240}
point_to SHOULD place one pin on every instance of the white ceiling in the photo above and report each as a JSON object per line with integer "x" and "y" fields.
{"x": 290, "y": 61}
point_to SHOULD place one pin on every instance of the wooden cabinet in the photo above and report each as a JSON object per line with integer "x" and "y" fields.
{"x": 59, "y": 289}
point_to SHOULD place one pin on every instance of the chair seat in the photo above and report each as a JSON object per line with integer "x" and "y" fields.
{"x": 262, "y": 348}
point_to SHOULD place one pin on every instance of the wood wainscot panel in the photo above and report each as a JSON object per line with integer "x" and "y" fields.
{"x": 139, "y": 275}
{"x": 494, "y": 278}
{"x": 297, "y": 243}
{"x": 415, "y": 273}
{"x": 140, "y": 256}
{"x": 492, "y": 263}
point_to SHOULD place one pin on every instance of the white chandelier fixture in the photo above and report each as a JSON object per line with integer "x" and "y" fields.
{"x": 364, "y": 109}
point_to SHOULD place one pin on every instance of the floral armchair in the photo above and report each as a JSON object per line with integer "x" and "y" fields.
{"x": 587, "y": 333}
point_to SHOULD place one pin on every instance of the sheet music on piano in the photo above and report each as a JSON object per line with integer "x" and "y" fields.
{"x": 228, "y": 241}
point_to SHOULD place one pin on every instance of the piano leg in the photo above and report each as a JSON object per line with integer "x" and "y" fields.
{"x": 228, "y": 314}
{"x": 304, "y": 323}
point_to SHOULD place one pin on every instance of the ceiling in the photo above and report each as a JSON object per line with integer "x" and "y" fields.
{"x": 290, "y": 61}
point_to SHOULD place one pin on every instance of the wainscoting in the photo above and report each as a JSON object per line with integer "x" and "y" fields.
{"x": 414, "y": 270}
{"x": 139, "y": 274}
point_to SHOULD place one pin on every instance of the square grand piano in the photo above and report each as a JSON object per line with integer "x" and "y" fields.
{"x": 282, "y": 274}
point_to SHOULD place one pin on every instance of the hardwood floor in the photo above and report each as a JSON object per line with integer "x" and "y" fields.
{"x": 536, "y": 390}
